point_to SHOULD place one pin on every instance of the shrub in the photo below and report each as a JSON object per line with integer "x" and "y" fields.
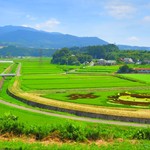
{"x": 142, "y": 134}
{"x": 73, "y": 132}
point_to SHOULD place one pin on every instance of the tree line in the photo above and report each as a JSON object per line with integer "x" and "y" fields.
{"x": 79, "y": 55}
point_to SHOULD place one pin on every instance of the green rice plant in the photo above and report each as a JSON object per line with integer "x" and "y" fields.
{"x": 139, "y": 77}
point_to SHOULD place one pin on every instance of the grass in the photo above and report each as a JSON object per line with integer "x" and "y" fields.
{"x": 116, "y": 145}
{"x": 31, "y": 118}
{"x": 69, "y": 130}
{"x": 102, "y": 136}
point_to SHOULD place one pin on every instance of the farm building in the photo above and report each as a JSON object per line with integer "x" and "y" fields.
{"x": 142, "y": 70}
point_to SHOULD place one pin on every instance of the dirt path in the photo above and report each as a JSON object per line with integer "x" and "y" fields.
{"x": 18, "y": 70}
{"x": 74, "y": 117}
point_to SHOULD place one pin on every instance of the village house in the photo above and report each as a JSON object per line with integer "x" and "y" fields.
{"x": 146, "y": 61}
{"x": 106, "y": 62}
{"x": 128, "y": 60}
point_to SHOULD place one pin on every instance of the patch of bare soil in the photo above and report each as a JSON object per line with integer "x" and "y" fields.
{"x": 81, "y": 96}
{"x": 49, "y": 140}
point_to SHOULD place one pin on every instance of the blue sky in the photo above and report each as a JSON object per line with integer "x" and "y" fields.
{"x": 116, "y": 21}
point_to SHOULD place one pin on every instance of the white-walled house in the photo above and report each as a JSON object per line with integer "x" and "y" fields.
{"x": 128, "y": 60}
{"x": 106, "y": 62}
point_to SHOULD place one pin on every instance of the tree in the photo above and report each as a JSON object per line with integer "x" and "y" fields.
{"x": 124, "y": 69}
{"x": 66, "y": 57}
{"x": 61, "y": 56}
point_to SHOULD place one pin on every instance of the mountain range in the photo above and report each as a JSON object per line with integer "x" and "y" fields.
{"x": 29, "y": 37}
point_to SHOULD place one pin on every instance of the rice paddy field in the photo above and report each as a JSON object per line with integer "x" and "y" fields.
{"x": 68, "y": 81}
{"x": 91, "y": 87}
{"x": 139, "y": 77}
{"x": 52, "y": 82}
{"x": 99, "y": 69}
{"x": 3, "y": 66}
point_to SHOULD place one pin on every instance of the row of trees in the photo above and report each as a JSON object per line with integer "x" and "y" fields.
{"x": 79, "y": 55}
{"x": 112, "y": 52}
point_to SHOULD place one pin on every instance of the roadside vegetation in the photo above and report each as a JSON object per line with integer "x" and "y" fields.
{"x": 78, "y": 135}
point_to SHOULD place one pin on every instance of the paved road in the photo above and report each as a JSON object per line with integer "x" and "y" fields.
{"x": 74, "y": 117}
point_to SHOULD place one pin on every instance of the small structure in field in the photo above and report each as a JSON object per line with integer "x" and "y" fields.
{"x": 142, "y": 70}
{"x": 6, "y": 61}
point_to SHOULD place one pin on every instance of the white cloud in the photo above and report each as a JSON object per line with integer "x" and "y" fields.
{"x": 120, "y": 10}
{"x": 146, "y": 19}
{"x": 133, "y": 39}
{"x": 47, "y": 25}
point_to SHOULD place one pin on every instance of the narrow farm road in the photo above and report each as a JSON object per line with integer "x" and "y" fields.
{"x": 75, "y": 117}
{"x": 18, "y": 70}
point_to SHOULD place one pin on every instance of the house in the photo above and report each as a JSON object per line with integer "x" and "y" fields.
{"x": 138, "y": 62}
{"x": 142, "y": 70}
{"x": 128, "y": 60}
{"x": 101, "y": 62}
{"x": 106, "y": 62}
{"x": 146, "y": 61}
{"x": 111, "y": 62}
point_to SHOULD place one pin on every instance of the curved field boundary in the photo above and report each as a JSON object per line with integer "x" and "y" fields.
{"x": 74, "y": 117}
{"x": 129, "y": 78}
{"x": 121, "y": 114}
